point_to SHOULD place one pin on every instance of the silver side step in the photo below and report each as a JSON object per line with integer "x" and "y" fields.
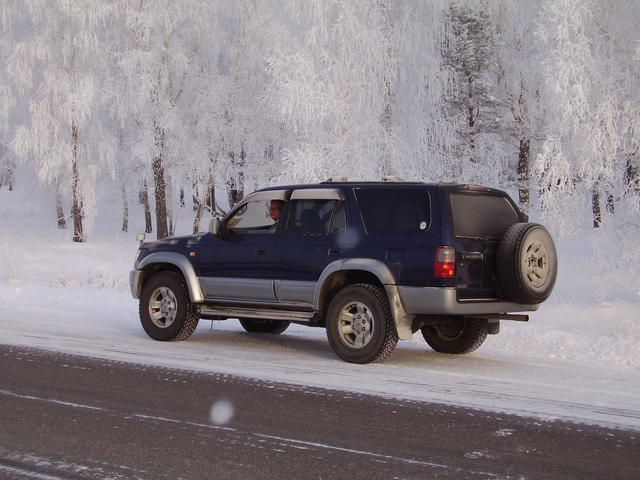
{"x": 262, "y": 313}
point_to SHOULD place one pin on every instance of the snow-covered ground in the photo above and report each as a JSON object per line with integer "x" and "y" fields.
{"x": 578, "y": 358}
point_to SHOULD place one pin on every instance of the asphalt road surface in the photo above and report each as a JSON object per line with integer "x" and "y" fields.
{"x": 69, "y": 417}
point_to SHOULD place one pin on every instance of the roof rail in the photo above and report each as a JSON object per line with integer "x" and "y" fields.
{"x": 393, "y": 178}
{"x": 336, "y": 180}
{"x": 477, "y": 188}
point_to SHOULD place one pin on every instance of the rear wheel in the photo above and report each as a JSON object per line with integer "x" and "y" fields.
{"x": 456, "y": 334}
{"x": 360, "y": 327}
{"x": 165, "y": 309}
{"x": 257, "y": 325}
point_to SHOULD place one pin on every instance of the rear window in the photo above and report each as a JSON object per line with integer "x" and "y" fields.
{"x": 484, "y": 216}
{"x": 394, "y": 210}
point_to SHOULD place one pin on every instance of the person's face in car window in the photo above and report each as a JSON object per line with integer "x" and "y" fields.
{"x": 275, "y": 209}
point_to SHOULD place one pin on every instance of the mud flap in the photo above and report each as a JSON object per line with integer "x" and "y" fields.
{"x": 402, "y": 319}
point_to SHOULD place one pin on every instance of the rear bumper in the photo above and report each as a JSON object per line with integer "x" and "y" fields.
{"x": 443, "y": 301}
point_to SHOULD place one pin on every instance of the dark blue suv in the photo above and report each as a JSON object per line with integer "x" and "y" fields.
{"x": 372, "y": 262}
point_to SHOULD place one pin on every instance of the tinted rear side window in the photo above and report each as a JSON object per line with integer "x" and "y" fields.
{"x": 484, "y": 216}
{"x": 394, "y": 210}
{"x": 339, "y": 219}
{"x": 310, "y": 217}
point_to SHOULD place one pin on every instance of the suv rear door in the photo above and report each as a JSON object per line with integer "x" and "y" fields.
{"x": 479, "y": 217}
{"x": 400, "y": 229}
{"x": 309, "y": 242}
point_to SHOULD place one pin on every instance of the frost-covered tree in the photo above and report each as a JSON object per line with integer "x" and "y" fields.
{"x": 469, "y": 51}
{"x": 246, "y": 129}
{"x": 165, "y": 37}
{"x": 334, "y": 75}
{"x": 591, "y": 79}
{"x": 236, "y": 137}
{"x": 118, "y": 117}
{"x": 192, "y": 103}
{"x": 425, "y": 137}
{"x": 65, "y": 137}
{"x": 622, "y": 26}
{"x": 12, "y": 19}
{"x": 519, "y": 77}
{"x": 207, "y": 103}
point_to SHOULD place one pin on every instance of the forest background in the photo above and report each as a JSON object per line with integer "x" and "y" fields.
{"x": 166, "y": 109}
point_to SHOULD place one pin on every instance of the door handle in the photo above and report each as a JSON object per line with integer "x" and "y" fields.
{"x": 261, "y": 251}
{"x": 333, "y": 252}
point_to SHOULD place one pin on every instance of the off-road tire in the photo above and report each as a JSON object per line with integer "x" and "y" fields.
{"x": 527, "y": 264}
{"x": 257, "y": 325}
{"x": 384, "y": 336}
{"x": 456, "y": 334}
{"x": 185, "y": 321}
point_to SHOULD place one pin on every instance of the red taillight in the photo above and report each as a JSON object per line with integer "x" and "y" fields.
{"x": 445, "y": 262}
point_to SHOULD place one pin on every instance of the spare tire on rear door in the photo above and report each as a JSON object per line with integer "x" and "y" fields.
{"x": 527, "y": 263}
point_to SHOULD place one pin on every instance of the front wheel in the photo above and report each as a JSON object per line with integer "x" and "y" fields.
{"x": 456, "y": 334}
{"x": 165, "y": 309}
{"x": 360, "y": 327}
{"x": 257, "y": 325}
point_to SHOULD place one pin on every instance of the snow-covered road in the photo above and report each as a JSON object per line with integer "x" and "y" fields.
{"x": 103, "y": 324}
{"x": 162, "y": 423}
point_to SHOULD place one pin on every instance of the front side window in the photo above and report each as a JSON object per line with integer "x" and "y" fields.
{"x": 394, "y": 210}
{"x": 314, "y": 217}
{"x": 260, "y": 216}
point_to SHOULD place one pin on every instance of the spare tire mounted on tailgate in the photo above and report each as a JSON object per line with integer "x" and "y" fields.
{"x": 527, "y": 263}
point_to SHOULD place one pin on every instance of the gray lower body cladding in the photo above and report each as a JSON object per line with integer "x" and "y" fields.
{"x": 406, "y": 302}
{"x": 443, "y": 301}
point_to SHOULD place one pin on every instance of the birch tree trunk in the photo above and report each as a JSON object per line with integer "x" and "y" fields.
{"x": 170, "y": 225}
{"x": 242, "y": 165}
{"x": 595, "y": 205}
{"x": 472, "y": 115}
{"x": 199, "y": 204}
{"x": 160, "y": 186}
{"x": 143, "y": 196}
{"x": 125, "y": 209}
{"x": 235, "y": 183}
{"x": 232, "y": 187}
{"x": 210, "y": 197}
{"x": 611, "y": 205}
{"x": 387, "y": 112}
{"x": 524, "y": 173}
{"x": 171, "y": 222}
{"x": 198, "y": 208}
{"x": 62, "y": 223}
{"x": 631, "y": 176}
{"x": 7, "y": 176}
{"x": 77, "y": 211}
{"x": 12, "y": 175}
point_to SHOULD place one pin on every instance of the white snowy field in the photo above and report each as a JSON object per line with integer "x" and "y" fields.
{"x": 577, "y": 359}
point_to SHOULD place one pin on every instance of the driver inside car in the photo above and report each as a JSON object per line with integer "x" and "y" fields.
{"x": 275, "y": 211}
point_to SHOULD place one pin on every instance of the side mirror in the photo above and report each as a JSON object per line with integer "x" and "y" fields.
{"x": 214, "y": 226}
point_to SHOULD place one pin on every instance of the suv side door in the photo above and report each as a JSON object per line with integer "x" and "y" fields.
{"x": 238, "y": 264}
{"x": 310, "y": 240}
